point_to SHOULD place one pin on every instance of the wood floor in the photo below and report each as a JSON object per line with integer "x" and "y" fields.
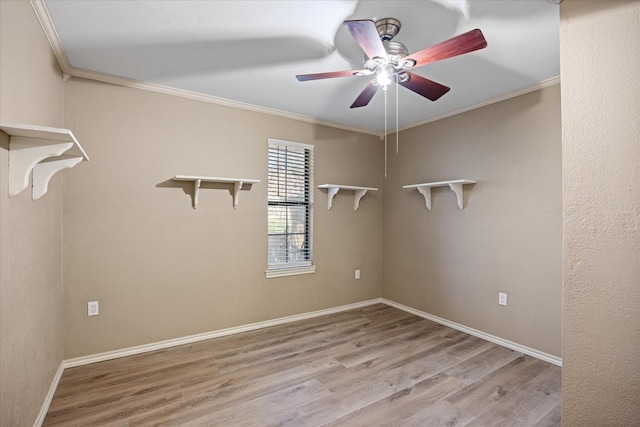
{"x": 375, "y": 366}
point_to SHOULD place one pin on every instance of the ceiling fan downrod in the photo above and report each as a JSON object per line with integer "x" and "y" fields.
{"x": 387, "y": 28}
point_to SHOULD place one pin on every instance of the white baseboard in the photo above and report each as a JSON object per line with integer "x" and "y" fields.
{"x": 49, "y": 397}
{"x": 101, "y": 357}
{"x": 476, "y": 333}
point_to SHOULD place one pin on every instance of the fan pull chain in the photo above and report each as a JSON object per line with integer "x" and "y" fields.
{"x": 384, "y": 89}
{"x": 397, "y": 106}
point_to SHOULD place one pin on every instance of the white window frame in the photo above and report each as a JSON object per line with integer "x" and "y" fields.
{"x": 294, "y": 268}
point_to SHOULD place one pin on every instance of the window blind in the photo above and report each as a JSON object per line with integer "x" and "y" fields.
{"x": 290, "y": 175}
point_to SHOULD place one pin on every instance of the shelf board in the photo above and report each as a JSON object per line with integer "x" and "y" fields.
{"x": 197, "y": 180}
{"x": 41, "y": 149}
{"x": 455, "y": 185}
{"x": 332, "y": 190}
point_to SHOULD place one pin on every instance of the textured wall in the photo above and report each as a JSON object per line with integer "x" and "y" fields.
{"x": 30, "y": 231}
{"x": 600, "y": 58}
{"x": 161, "y": 269}
{"x": 452, "y": 263}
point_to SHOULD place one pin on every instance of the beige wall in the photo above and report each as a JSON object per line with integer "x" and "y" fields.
{"x": 30, "y": 231}
{"x": 452, "y": 263}
{"x": 161, "y": 269}
{"x": 600, "y": 57}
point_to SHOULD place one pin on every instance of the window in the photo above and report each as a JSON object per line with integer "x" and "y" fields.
{"x": 290, "y": 191}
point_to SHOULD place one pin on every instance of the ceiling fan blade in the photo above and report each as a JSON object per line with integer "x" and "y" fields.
{"x": 425, "y": 87}
{"x": 464, "y": 43}
{"x": 331, "y": 74}
{"x": 366, "y": 34}
{"x": 366, "y": 95}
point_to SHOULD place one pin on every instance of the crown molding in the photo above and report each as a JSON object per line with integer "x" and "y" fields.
{"x": 42, "y": 13}
{"x": 538, "y": 86}
{"x": 69, "y": 71}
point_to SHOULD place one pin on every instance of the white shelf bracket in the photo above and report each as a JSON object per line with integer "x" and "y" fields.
{"x": 426, "y": 192}
{"x": 196, "y": 191}
{"x": 457, "y": 188}
{"x": 358, "y": 196}
{"x": 237, "y": 186}
{"x": 41, "y": 149}
{"x": 24, "y": 155}
{"x": 43, "y": 172}
{"x": 331, "y": 193}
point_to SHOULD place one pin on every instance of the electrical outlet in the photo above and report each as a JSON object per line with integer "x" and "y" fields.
{"x": 357, "y": 274}
{"x": 502, "y": 298}
{"x": 92, "y": 308}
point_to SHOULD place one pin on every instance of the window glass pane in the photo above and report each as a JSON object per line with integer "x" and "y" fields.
{"x": 289, "y": 211}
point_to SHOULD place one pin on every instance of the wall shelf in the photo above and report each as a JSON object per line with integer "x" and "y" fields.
{"x": 43, "y": 150}
{"x": 197, "y": 180}
{"x": 332, "y": 190}
{"x": 455, "y": 185}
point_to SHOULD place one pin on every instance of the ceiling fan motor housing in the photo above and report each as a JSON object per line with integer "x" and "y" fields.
{"x": 388, "y": 28}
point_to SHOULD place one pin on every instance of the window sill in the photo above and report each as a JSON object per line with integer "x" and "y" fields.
{"x": 294, "y": 271}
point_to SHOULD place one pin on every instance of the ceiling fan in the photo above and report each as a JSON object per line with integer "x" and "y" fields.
{"x": 390, "y": 61}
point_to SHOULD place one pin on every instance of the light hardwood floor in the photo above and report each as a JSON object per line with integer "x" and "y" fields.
{"x": 374, "y": 366}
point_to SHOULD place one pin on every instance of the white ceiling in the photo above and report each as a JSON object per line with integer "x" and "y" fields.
{"x": 249, "y": 52}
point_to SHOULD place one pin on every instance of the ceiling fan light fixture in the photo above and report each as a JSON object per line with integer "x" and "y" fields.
{"x": 395, "y": 50}
{"x": 402, "y": 77}
{"x": 385, "y": 75}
